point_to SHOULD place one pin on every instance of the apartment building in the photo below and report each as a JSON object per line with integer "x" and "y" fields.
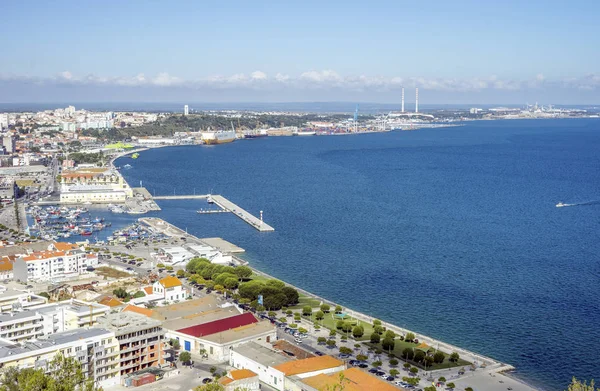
{"x": 60, "y": 261}
{"x": 97, "y": 185}
{"x": 28, "y": 324}
{"x": 11, "y": 299}
{"x": 97, "y": 350}
{"x": 141, "y": 340}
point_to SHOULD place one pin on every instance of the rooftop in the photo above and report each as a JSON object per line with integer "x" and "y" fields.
{"x": 127, "y": 322}
{"x": 170, "y": 282}
{"x": 139, "y": 310}
{"x": 110, "y": 301}
{"x": 19, "y": 249}
{"x": 239, "y": 333}
{"x": 8, "y": 348}
{"x": 307, "y": 365}
{"x": 218, "y": 326}
{"x": 200, "y": 318}
{"x": 260, "y": 354}
{"x": 239, "y": 374}
{"x": 185, "y": 308}
{"x": 354, "y": 380}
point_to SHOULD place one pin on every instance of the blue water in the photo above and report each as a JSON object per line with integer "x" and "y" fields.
{"x": 451, "y": 232}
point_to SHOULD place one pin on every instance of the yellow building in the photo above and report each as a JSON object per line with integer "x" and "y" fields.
{"x": 95, "y": 185}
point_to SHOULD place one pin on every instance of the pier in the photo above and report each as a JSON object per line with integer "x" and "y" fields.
{"x": 226, "y": 207}
{"x": 229, "y": 206}
{"x": 181, "y": 197}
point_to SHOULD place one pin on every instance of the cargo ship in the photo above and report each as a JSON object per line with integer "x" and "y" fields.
{"x": 218, "y": 137}
{"x": 256, "y": 133}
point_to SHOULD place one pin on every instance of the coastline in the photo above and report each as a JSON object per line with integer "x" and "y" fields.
{"x": 487, "y": 367}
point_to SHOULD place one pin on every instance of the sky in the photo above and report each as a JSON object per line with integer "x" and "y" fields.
{"x": 457, "y": 51}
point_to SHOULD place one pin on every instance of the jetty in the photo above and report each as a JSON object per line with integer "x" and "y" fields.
{"x": 226, "y": 207}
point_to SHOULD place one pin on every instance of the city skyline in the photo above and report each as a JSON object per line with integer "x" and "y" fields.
{"x": 459, "y": 53}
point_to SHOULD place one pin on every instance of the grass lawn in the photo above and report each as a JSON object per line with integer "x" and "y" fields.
{"x": 399, "y": 346}
{"x": 304, "y": 300}
{"x": 330, "y": 322}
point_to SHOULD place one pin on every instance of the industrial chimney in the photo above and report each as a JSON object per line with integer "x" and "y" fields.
{"x": 403, "y": 99}
{"x": 417, "y": 101}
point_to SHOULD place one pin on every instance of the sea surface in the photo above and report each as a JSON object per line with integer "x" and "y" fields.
{"x": 451, "y": 232}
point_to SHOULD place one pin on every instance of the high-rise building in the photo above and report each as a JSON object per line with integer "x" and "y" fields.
{"x": 186, "y": 110}
{"x": 10, "y": 144}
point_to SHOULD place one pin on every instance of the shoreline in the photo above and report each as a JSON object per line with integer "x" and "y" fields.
{"x": 491, "y": 368}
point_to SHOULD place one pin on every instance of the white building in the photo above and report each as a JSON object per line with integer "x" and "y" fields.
{"x": 96, "y": 185}
{"x": 186, "y": 110}
{"x": 97, "y": 350}
{"x": 60, "y": 261}
{"x": 278, "y": 371}
{"x": 11, "y": 299}
{"x": 36, "y": 321}
{"x": 218, "y": 337}
{"x": 169, "y": 289}
{"x": 173, "y": 255}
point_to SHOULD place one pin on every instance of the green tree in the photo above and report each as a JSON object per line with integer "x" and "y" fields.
{"x": 378, "y": 329}
{"x": 251, "y": 289}
{"x": 394, "y": 362}
{"x": 409, "y": 337}
{"x": 388, "y": 344}
{"x": 408, "y": 353}
{"x": 439, "y": 357}
{"x": 406, "y": 366}
{"x": 375, "y": 338}
{"x": 468, "y": 389}
{"x": 332, "y": 333}
{"x": 346, "y": 327}
{"x": 63, "y": 374}
{"x": 414, "y": 370}
{"x": 442, "y": 379}
{"x": 306, "y": 310}
{"x": 175, "y": 343}
{"x": 430, "y": 388}
{"x": 325, "y": 307}
{"x": 339, "y": 324}
{"x": 394, "y": 372}
{"x": 338, "y": 309}
{"x": 330, "y": 342}
{"x": 231, "y": 283}
{"x": 321, "y": 340}
{"x": 345, "y": 350}
{"x": 454, "y": 357}
{"x": 319, "y": 315}
{"x": 419, "y": 356}
{"x": 292, "y": 295}
{"x": 361, "y": 357}
{"x": 185, "y": 357}
{"x": 243, "y": 272}
{"x": 358, "y": 331}
{"x": 389, "y": 334}
{"x": 120, "y": 293}
{"x": 451, "y": 386}
{"x": 376, "y": 364}
{"x": 376, "y": 322}
{"x": 180, "y": 273}
{"x": 577, "y": 385}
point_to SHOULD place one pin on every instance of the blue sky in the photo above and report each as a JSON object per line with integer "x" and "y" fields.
{"x": 454, "y": 51}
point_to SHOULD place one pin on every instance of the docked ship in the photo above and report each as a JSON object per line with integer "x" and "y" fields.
{"x": 256, "y": 133}
{"x": 305, "y": 133}
{"x": 218, "y": 137}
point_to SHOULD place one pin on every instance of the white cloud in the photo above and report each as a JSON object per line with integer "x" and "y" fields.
{"x": 314, "y": 79}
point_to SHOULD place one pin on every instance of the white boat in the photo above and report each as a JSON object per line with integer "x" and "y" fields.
{"x": 305, "y": 133}
{"x": 87, "y": 203}
{"x": 560, "y": 205}
{"x": 218, "y": 137}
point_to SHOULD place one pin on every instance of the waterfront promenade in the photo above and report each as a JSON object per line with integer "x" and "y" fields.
{"x": 485, "y": 374}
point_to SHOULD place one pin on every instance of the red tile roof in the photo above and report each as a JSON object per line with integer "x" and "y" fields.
{"x": 217, "y": 326}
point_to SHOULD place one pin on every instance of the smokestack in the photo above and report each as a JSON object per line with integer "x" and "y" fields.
{"x": 417, "y": 101}
{"x": 403, "y": 99}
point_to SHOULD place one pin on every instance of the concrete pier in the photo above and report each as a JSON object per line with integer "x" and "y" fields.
{"x": 227, "y": 205}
